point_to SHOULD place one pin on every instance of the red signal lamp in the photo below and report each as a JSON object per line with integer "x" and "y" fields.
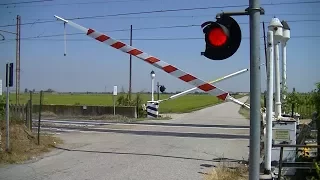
{"x": 222, "y": 38}
{"x": 217, "y": 36}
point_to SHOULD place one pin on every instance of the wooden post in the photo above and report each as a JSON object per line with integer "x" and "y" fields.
{"x": 293, "y": 104}
{"x": 40, "y": 109}
{"x": 26, "y": 114}
{"x": 30, "y": 112}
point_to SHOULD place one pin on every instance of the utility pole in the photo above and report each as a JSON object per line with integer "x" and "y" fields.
{"x": 268, "y": 139}
{"x": 9, "y": 83}
{"x": 277, "y": 79}
{"x": 158, "y": 86}
{"x": 255, "y": 89}
{"x": 18, "y": 60}
{"x": 265, "y": 46}
{"x": 284, "y": 40}
{"x": 130, "y": 71}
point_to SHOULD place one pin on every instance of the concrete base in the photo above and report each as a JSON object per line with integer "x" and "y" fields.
{"x": 266, "y": 176}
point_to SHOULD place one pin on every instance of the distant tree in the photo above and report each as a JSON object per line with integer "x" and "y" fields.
{"x": 316, "y": 102}
{"x": 34, "y": 90}
{"x": 49, "y": 90}
{"x": 25, "y": 90}
{"x": 122, "y": 90}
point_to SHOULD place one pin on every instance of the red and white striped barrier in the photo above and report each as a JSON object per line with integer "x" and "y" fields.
{"x": 172, "y": 70}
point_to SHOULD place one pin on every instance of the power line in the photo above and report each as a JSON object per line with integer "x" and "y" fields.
{"x": 121, "y": 1}
{"x": 29, "y": 23}
{"x": 193, "y": 16}
{"x": 156, "y": 39}
{"x": 190, "y": 9}
{"x": 166, "y": 10}
{"x": 86, "y": 3}
{"x": 149, "y": 28}
{"x": 7, "y": 32}
{"x": 24, "y": 2}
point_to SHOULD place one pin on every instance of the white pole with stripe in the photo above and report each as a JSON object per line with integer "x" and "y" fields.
{"x": 172, "y": 70}
{"x": 152, "y": 109}
{"x": 211, "y": 82}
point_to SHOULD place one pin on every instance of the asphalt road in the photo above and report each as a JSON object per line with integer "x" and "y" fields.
{"x": 182, "y": 148}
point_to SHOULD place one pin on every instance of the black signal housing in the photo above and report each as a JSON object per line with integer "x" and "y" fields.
{"x": 222, "y": 38}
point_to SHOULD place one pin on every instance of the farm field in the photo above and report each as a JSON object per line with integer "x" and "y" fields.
{"x": 303, "y": 105}
{"x": 187, "y": 103}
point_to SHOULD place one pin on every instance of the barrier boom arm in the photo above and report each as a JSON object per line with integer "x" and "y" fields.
{"x": 172, "y": 70}
{"x": 211, "y": 82}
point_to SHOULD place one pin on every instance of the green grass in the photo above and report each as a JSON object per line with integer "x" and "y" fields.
{"x": 246, "y": 112}
{"x": 187, "y": 103}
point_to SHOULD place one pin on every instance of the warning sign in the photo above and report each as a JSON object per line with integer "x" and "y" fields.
{"x": 281, "y": 135}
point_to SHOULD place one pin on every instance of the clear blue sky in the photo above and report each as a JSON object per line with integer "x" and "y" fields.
{"x": 92, "y": 66}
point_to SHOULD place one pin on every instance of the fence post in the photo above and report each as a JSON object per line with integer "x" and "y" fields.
{"x": 40, "y": 108}
{"x": 137, "y": 107}
{"x": 26, "y": 114}
{"x": 280, "y": 162}
{"x": 30, "y": 112}
{"x": 293, "y": 104}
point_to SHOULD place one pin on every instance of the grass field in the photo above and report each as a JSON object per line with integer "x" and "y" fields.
{"x": 305, "y": 109}
{"x": 246, "y": 112}
{"x": 187, "y": 103}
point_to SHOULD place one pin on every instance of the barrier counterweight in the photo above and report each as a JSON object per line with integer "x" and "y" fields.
{"x": 152, "y": 109}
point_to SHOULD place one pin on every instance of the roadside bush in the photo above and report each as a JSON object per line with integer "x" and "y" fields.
{"x": 124, "y": 100}
{"x": 2, "y": 108}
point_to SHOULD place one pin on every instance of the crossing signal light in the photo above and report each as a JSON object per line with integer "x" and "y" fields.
{"x": 222, "y": 38}
{"x": 162, "y": 88}
{"x": 9, "y": 74}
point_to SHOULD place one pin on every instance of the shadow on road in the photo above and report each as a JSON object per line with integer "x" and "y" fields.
{"x": 195, "y": 125}
{"x": 127, "y": 153}
{"x": 225, "y": 160}
{"x": 161, "y": 133}
{"x": 102, "y": 122}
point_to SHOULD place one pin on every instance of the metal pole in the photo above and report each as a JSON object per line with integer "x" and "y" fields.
{"x": 114, "y": 105}
{"x": 268, "y": 141}
{"x": 255, "y": 89}
{"x": 18, "y": 61}
{"x": 152, "y": 88}
{"x": 293, "y": 104}
{"x": 7, "y": 106}
{"x": 277, "y": 80}
{"x": 130, "y": 71}
{"x": 280, "y": 163}
{"x": 31, "y": 112}
{"x": 265, "y": 45}
{"x": 65, "y": 39}
{"x": 284, "y": 69}
{"x": 158, "y": 86}
{"x": 40, "y": 109}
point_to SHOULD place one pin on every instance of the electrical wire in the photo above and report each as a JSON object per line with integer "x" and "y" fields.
{"x": 193, "y": 16}
{"x": 7, "y": 32}
{"x": 24, "y": 2}
{"x": 147, "y": 28}
{"x": 163, "y": 11}
{"x": 153, "y": 39}
{"x": 86, "y": 3}
{"x": 121, "y": 1}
